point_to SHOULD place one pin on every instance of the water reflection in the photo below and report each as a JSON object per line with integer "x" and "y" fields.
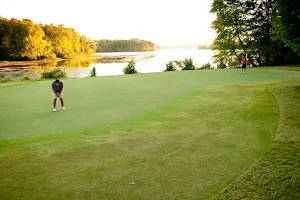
{"x": 108, "y": 64}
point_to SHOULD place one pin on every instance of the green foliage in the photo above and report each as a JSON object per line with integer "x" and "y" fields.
{"x": 206, "y": 66}
{"x": 25, "y": 78}
{"x": 5, "y": 79}
{"x": 124, "y": 45}
{"x": 93, "y": 72}
{"x": 247, "y": 27}
{"x": 221, "y": 65}
{"x": 178, "y": 63}
{"x": 170, "y": 66}
{"x": 287, "y": 26}
{"x": 130, "y": 68}
{"x": 56, "y": 73}
{"x": 188, "y": 64}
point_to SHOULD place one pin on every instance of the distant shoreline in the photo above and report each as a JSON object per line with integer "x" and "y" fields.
{"x": 95, "y": 55}
{"x": 35, "y": 62}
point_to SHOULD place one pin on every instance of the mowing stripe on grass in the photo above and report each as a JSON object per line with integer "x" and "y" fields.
{"x": 188, "y": 149}
{"x": 26, "y": 110}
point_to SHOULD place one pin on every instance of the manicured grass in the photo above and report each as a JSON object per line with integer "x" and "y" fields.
{"x": 26, "y": 110}
{"x": 178, "y": 135}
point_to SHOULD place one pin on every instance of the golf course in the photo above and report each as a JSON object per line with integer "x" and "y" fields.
{"x": 203, "y": 134}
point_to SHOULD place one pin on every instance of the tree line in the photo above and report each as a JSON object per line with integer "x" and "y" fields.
{"x": 25, "y": 40}
{"x": 125, "y": 45}
{"x": 267, "y": 31}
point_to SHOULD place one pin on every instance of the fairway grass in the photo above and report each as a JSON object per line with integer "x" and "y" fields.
{"x": 182, "y": 135}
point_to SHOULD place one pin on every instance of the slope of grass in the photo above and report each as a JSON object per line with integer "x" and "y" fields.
{"x": 190, "y": 148}
{"x": 277, "y": 175}
{"x": 182, "y": 135}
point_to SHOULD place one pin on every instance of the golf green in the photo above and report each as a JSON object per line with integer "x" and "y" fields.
{"x": 173, "y": 135}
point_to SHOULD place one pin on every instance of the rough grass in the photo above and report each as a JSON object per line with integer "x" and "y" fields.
{"x": 184, "y": 135}
{"x": 277, "y": 175}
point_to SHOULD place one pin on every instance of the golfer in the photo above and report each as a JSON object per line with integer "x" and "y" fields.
{"x": 244, "y": 65}
{"x": 57, "y": 92}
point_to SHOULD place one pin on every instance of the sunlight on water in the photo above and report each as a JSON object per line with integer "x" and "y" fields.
{"x": 147, "y": 62}
{"x": 113, "y": 63}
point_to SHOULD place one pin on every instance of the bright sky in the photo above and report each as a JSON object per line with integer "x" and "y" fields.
{"x": 165, "y": 22}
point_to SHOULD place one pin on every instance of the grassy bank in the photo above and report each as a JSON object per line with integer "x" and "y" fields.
{"x": 277, "y": 174}
{"x": 177, "y": 135}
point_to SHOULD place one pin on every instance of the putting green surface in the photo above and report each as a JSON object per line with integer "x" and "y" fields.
{"x": 26, "y": 110}
{"x": 178, "y": 135}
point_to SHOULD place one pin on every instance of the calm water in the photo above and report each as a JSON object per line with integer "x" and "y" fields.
{"x": 113, "y": 63}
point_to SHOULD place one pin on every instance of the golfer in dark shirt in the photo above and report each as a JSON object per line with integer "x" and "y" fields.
{"x": 57, "y": 92}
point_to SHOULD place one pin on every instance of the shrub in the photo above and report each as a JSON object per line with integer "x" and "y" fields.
{"x": 93, "y": 72}
{"x": 170, "y": 66}
{"x": 25, "y": 78}
{"x": 178, "y": 63}
{"x": 221, "y": 65}
{"x": 5, "y": 79}
{"x": 188, "y": 64}
{"x": 130, "y": 68}
{"x": 207, "y": 66}
{"x": 56, "y": 73}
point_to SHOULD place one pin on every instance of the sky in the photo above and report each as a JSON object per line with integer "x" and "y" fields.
{"x": 164, "y": 22}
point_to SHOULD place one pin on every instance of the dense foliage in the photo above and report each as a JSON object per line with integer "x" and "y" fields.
{"x": 93, "y": 72}
{"x": 288, "y": 24}
{"x": 259, "y": 29}
{"x": 188, "y": 64}
{"x": 25, "y": 40}
{"x": 56, "y": 73}
{"x": 130, "y": 68}
{"x": 206, "y": 66}
{"x": 171, "y": 66}
{"x": 124, "y": 45}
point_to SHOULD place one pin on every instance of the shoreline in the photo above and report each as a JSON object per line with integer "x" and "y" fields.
{"x": 36, "y": 62}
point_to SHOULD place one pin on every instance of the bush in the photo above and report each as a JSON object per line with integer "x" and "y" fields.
{"x": 178, "y": 63}
{"x": 25, "y": 78}
{"x": 93, "y": 72}
{"x": 170, "y": 66}
{"x": 221, "y": 65}
{"x": 56, "y": 73}
{"x": 188, "y": 64}
{"x": 130, "y": 68}
{"x": 5, "y": 79}
{"x": 206, "y": 66}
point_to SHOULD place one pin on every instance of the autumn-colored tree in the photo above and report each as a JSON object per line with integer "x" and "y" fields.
{"x": 87, "y": 46}
{"x": 34, "y": 44}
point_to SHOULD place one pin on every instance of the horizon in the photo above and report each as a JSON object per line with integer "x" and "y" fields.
{"x": 164, "y": 23}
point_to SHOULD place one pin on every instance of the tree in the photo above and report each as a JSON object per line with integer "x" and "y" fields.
{"x": 87, "y": 46}
{"x": 287, "y": 24}
{"x": 4, "y": 23}
{"x": 25, "y": 40}
{"x": 93, "y": 72}
{"x": 170, "y": 66}
{"x": 124, "y": 45}
{"x": 130, "y": 68}
{"x": 34, "y": 44}
{"x": 245, "y": 27}
{"x": 13, "y": 40}
{"x": 231, "y": 27}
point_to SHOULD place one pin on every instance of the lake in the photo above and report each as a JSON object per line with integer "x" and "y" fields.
{"x": 111, "y": 64}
